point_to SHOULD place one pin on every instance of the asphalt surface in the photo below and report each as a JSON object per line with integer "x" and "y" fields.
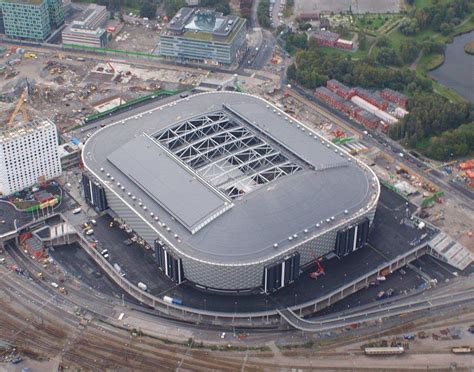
{"x": 138, "y": 266}
{"x": 11, "y": 218}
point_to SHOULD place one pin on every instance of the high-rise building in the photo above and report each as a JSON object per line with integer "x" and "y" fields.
{"x": 28, "y": 155}
{"x": 203, "y": 35}
{"x": 31, "y": 19}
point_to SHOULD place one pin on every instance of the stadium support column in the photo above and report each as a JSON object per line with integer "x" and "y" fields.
{"x": 352, "y": 238}
{"x": 282, "y": 273}
{"x": 171, "y": 265}
{"x": 94, "y": 193}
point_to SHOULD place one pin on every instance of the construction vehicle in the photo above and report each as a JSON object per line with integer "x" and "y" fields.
{"x": 431, "y": 199}
{"x": 319, "y": 269}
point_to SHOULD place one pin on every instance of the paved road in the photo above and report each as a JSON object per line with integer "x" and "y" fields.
{"x": 403, "y": 307}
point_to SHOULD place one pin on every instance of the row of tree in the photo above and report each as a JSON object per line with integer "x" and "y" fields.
{"x": 439, "y": 16}
{"x": 453, "y": 143}
{"x": 313, "y": 67}
{"x": 262, "y": 13}
{"x": 441, "y": 128}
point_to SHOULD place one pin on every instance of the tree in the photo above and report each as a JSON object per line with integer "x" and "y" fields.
{"x": 383, "y": 41}
{"x": 362, "y": 37}
{"x": 219, "y": 5}
{"x": 172, "y": 7}
{"x": 431, "y": 46}
{"x": 387, "y": 56}
{"x": 409, "y": 27}
{"x": 409, "y": 50}
{"x": 446, "y": 28}
{"x": 148, "y": 9}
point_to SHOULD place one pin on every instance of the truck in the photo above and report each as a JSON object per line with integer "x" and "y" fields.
{"x": 118, "y": 269}
{"x": 142, "y": 286}
{"x": 171, "y": 300}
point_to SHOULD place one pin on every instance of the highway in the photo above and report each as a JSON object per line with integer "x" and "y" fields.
{"x": 423, "y": 303}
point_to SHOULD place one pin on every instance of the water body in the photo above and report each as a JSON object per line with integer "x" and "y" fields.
{"x": 457, "y": 71}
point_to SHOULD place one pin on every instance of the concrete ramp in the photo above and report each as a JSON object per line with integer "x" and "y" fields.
{"x": 450, "y": 251}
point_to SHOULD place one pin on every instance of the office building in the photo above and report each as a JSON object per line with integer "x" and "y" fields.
{"x": 31, "y": 19}
{"x": 28, "y": 155}
{"x": 88, "y": 29}
{"x": 205, "y": 36}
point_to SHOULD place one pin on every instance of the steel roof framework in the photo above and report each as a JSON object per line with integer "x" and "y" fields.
{"x": 227, "y": 154}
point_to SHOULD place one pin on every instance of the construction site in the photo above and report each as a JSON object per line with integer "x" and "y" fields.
{"x": 67, "y": 88}
{"x": 65, "y": 308}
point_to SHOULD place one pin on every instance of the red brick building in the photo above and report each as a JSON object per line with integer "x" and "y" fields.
{"x": 344, "y": 44}
{"x": 367, "y": 119}
{"x": 340, "y": 89}
{"x": 326, "y": 38}
{"x": 372, "y": 98}
{"x": 395, "y": 97}
{"x": 329, "y": 97}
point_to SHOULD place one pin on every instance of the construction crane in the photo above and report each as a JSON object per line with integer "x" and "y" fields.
{"x": 19, "y": 106}
{"x": 319, "y": 269}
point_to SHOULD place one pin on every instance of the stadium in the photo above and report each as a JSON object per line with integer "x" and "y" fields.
{"x": 230, "y": 192}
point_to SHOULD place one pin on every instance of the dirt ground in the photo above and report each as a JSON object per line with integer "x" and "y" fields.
{"x": 136, "y": 38}
{"x": 66, "y": 89}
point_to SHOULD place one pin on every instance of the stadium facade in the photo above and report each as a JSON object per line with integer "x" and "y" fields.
{"x": 231, "y": 192}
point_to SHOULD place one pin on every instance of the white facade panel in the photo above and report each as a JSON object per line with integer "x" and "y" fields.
{"x": 28, "y": 155}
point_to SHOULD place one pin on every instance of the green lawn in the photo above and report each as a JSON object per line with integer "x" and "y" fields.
{"x": 373, "y": 23}
{"x": 335, "y": 51}
{"x": 429, "y": 62}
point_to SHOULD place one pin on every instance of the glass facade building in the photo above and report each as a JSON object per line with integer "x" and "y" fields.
{"x": 203, "y": 36}
{"x": 31, "y": 19}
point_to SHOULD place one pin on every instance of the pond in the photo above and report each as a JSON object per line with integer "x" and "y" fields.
{"x": 457, "y": 71}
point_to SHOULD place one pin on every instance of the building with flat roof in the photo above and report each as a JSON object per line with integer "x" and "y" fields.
{"x": 31, "y": 19}
{"x": 231, "y": 192}
{"x": 203, "y": 35}
{"x": 28, "y": 155}
{"x": 88, "y": 29}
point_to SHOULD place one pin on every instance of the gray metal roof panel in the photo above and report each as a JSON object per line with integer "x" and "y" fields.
{"x": 177, "y": 190}
{"x": 246, "y": 233}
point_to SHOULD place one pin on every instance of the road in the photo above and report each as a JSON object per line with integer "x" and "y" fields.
{"x": 430, "y": 302}
{"x": 37, "y": 321}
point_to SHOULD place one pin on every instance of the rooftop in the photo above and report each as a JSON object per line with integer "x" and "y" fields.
{"x": 203, "y": 24}
{"x": 26, "y": 2}
{"x": 20, "y": 130}
{"x": 278, "y": 178}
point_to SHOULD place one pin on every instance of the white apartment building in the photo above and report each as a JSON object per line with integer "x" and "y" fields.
{"x": 28, "y": 155}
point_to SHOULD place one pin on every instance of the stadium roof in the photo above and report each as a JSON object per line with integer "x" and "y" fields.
{"x": 229, "y": 176}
